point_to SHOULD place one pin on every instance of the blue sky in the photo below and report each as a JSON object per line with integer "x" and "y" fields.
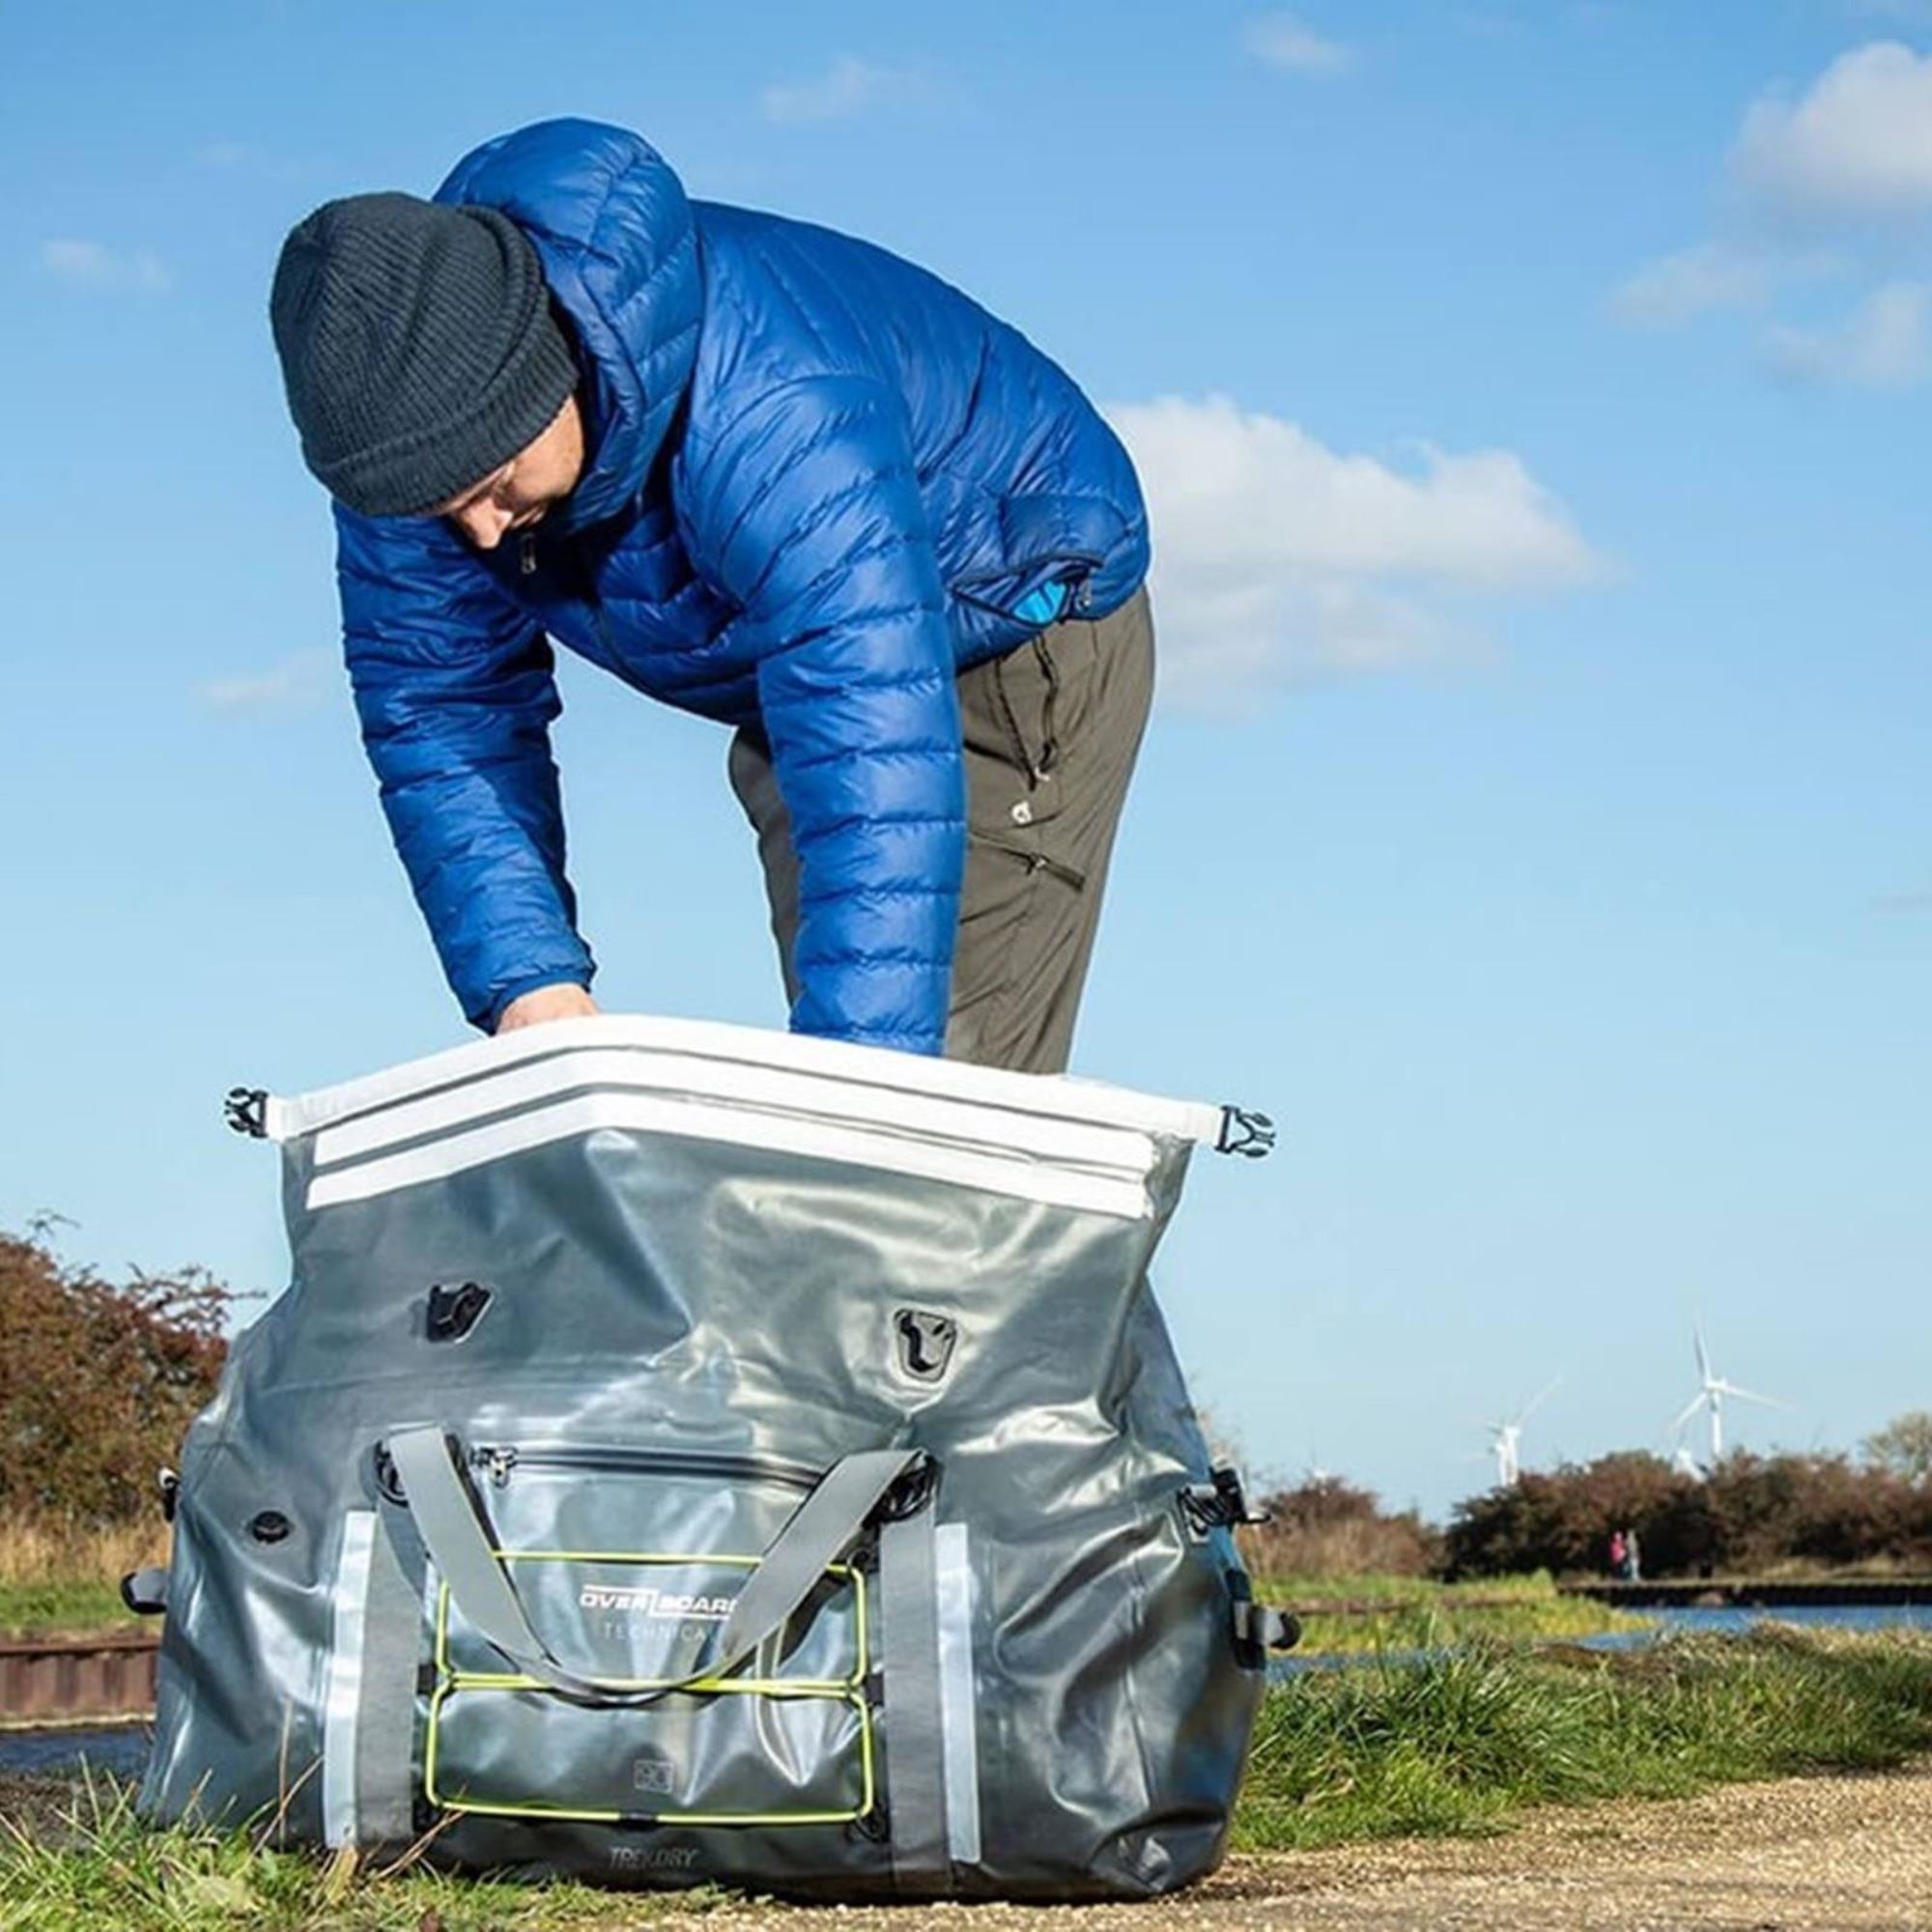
{"x": 1534, "y": 401}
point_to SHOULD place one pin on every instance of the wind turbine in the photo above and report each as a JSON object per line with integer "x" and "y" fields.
{"x": 1712, "y": 1391}
{"x": 1506, "y": 1437}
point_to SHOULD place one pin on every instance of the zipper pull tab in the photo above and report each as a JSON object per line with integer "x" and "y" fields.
{"x": 527, "y": 554}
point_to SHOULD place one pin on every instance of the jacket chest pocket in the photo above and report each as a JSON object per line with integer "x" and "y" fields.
{"x": 563, "y": 596}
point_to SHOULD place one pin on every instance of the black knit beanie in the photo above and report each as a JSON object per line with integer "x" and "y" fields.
{"x": 417, "y": 346}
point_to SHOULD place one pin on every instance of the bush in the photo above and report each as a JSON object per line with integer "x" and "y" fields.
{"x": 1753, "y": 1512}
{"x": 99, "y": 1380}
{"x": 1327, "y": 1527}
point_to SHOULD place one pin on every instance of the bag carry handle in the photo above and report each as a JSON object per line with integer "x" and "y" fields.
{"x": 450, "y": 1524}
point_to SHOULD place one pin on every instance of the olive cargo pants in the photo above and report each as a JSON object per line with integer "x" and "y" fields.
{"x": 1051, "y": 733}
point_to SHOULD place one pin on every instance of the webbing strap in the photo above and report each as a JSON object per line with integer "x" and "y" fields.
{"x": 819, "y": 1532}
{"x": 342, "y": 1698}
{"x": 915, "y": 1744}
{"x": 385, "y": 1731}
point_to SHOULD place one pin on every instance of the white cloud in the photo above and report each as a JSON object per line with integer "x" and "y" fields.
{"x": 1277, "y": 556}
{"x": 92, "y": 265}
{"x": 848, "y": 86}
{"x": 299, "y": 681}
{"x": 1858, "y": 144}
{"x": 1281, "y": 40}
{"x": 1825, "y": 182}
{"x": 1712, "y": 274}
{"x": 1886, "y": 343}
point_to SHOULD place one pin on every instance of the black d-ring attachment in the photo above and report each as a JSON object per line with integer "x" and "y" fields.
{"x": 247, "y": 1111}
{"x": 911, "y": 1492}
{"x": 388, "y": 1485}
{"x": 1257, "y": 1629}
{"x": 1246, "y": 1132}
{"x": 145, "y": 1592}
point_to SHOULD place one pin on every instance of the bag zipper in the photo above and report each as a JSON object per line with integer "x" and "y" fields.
{"x": 499, "y": 1459}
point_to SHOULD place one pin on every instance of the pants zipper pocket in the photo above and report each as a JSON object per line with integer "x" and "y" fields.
{"x": 1038, "y": 862}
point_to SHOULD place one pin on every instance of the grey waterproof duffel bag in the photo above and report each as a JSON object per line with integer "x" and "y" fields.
{"x": 686, "y": 1453}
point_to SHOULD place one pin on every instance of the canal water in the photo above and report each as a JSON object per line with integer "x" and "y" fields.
{"x": 1728, "y": 1619}
{"x": 123, "y": 1748}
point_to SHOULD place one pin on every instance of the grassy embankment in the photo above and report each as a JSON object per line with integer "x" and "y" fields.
{"x": 1458, "y": 1744}
{"x": 1364, "y": 1613}
{"x": 55, "y": 1580}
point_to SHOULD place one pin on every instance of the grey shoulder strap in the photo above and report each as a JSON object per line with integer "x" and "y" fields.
{"x": 819, "y": 1532}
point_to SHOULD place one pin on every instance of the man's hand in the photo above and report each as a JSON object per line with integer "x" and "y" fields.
{"x": 545, "y": 1002}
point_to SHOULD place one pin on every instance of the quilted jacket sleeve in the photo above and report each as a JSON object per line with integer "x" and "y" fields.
{"x": 454, "y": 690}
{"x": 808, "y": 512}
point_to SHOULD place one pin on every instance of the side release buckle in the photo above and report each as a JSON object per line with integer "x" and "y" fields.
{"x": 1244, "y": 1131}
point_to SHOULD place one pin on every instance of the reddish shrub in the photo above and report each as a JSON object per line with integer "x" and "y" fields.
{"x": 1327, "y": 1527}
{"x": 97, "y": 1379}
{"x": 1753, "y": 1513}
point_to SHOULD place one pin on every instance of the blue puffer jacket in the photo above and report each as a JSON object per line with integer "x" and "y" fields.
{"x": 819, "y": 481}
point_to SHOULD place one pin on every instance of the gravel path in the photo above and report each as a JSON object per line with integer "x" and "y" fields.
{"x": 1837, "y": 1853}
{"x": 1842, "y": 1854}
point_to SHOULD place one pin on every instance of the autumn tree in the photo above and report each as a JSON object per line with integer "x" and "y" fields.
{"x": 1904, "y": 1446}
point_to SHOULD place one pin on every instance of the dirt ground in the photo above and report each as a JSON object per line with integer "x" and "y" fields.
{"x": 1842, "y": 1854}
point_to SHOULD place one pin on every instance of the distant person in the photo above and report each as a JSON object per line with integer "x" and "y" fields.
{"x": 1633, "y": 1558}
{"x": 1619, "y": 1553}
{"x": 763, "y": 472}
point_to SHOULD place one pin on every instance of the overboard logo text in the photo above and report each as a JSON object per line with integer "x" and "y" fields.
{"x": 651, "y": 1601}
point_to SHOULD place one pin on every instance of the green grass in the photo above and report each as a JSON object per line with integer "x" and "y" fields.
{"x": 1459, "y": 1742}
{"x": 1415, "y": 1613}
{"x": 50, "y": 1584}
{"x": 58, "y": 1577}
{"x": 95, "y": 1869}
{"x": 51, "y": 1609}
{"x": 1459, "y": 1745}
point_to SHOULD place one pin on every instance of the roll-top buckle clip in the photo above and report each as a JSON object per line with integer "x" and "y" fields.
{"x": 1220, "y": 1504}
{"x": 1244, "y": 1131}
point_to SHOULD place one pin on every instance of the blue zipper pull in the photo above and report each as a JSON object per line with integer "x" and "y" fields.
{"x": 527, "y": 554}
